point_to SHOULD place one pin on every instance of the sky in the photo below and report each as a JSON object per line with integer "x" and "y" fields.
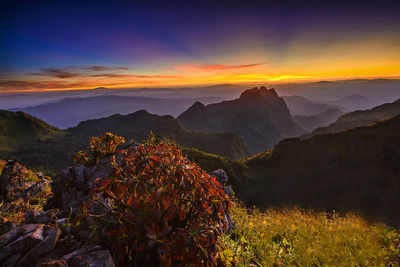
{"x": 66, "y": 45}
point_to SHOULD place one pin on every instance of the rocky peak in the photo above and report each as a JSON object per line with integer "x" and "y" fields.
{"x": 198, "y": 105}
{"x": 268, "y": 93}
{"x": 259, "y": 93}
{"x": 252, "y": 93}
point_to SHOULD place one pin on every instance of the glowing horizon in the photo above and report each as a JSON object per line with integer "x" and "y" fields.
{"x": 48, "y": 49}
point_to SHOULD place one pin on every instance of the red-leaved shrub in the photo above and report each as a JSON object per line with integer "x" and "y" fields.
{"x": 164, "y": 205}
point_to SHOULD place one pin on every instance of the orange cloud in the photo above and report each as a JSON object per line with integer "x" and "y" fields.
{"x": 213, "y": 67}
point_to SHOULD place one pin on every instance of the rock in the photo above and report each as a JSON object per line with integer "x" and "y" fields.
{"x": 39, "y": 216}
{"x": 13, "y": 180}
{"x": 91, "y": 257}
{"x": 222, "y": 178}
{"x": 17, "y": 182}
{"x": 63, "y": 224}
{"x": 54, "y": 263}
{"x": 20, "y": 240}
{"x": 72, "y": 184}
{"x": 45, "y": 246}
{"x": 26, "y": 244}
{"x": 40, "y": 189}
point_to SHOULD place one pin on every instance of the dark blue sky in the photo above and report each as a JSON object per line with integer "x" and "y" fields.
{"x": 165, "y": 37}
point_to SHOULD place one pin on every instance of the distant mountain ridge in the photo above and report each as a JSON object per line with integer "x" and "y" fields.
{"x": 302, "y": 106}
{"x": 69, "y": 111}
{"x": 362, "y": 118}
{"x": 259, "y": 116}
{"x": 44, "y": 147}
{"x": 353, "y": 102}
{"x": 322, "y": 119}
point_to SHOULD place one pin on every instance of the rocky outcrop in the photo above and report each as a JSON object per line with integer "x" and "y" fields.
{"x": 23, "y": 245}
{"x": 93, "y": 256}
{"x": 13, "y": 180}
{"x": 72, "y": 185}
{"x": 50, "y": 237}
{"x": 32, "y": 240}
{"x": 17, "y": 182}
{"x": 40, "y": 216}
{"x": 31, "y": 245}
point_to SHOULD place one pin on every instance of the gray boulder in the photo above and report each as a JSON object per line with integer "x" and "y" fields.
{"x": 25, "y": 244}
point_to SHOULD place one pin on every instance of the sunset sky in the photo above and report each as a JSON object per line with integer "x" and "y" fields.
{"x": 56, "y": 45}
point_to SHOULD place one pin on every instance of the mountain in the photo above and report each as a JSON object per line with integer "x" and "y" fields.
{"x": 362, "y": 118}
{"x": 302, "y": 106}
{"x": 353, "y": 102}
{"x": 259, "y": 116}
{"x": 18, "y": 129}
{"x": 68, "y": 112}
{"x": 51, "y": 149}
{"x": 378, "y": 90}
{"x": 324, "y": 118}
{"x": 354, "y": 170}
{"x": 137, "y": 125}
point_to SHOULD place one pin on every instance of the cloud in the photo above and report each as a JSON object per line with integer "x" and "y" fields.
{"x": 56, "y": 72}
{"x": 214, "y": 67}
{"x": 23, "y": 85}
{"x": 104, "y": 68}
{"x": 76, "y": 71}
{"x": 132, "y": 76}
{"x": 84, "y": 81}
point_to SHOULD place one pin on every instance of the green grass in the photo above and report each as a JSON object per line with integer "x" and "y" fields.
{"x": 296, "y": 237}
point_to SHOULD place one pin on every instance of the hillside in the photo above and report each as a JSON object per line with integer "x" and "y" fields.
{"x": 259, "y": 116}
{"x": 362, "y": 118}
{"x": 353, "y": 102}
{"x": 68, "y": 112}
{"x": 17, "y": 129}
{"x": 52, "y": 154}
{"x": 302, "y": 106}
{"x": 137, "y": 125}
{"x": 354, "y": 170}
{"x": 322, "y": 119}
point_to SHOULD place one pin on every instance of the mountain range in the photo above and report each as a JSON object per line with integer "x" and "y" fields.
{"x": 352, "y": 102}
{"x": 259, "y": 116}
{"x": 361, "y": 118}
{"x": 68, "y": 112}
{"x": 302, "y": 106}
{"x": 324, "y": 118}
{"x": 351, "y": 171}
{"x": 341, "y": 169}
{"x": 49, "y": 149}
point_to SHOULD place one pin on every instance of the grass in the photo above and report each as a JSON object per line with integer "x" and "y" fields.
{"x": 296, "y": 237}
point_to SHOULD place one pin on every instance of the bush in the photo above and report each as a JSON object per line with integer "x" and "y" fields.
{"x": 100, "y": 147}
{"x": 162, "y": 205}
